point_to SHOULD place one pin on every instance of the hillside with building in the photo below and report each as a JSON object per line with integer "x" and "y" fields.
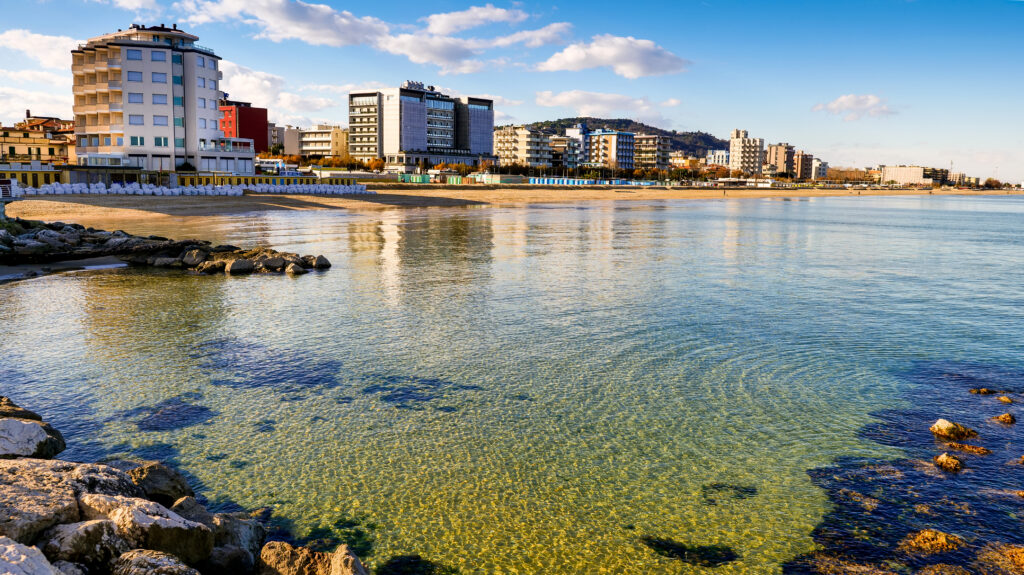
{"x": 692, "y": 143}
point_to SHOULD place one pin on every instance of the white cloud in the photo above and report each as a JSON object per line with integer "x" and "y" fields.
{"x": 345, "y": 89}
{"x": 854, "y": 107}
{"x": 600, "y": 104}
{"x": 551, "y": 34}
{"x": 150, "y": 6}
{"x": 448, "y": 53}
{"x": 627, "y": 56}
{"x": 267, "y": 90}
{"x": 501, "y": 100}
{"x": 36, "y": 77}
{"x": 50, "y": 51}
{"x": 452, "y": 22}
{"x": 14, "y": 101}
{"x": 671, "y": 103}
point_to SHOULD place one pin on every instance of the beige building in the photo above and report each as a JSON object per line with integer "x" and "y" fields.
{"x": 611, "y": 149}
{"x": 683, "y": 161}
{"x": 746, "y": 154}
{"x": 25, "y": 145}
{"x": 913, "y": 175}
{"x": 651, "y": 151}
{"x": 781, "y": 156}
{"x": 521, "y": 146}
{"x": 803, "y": 166}
{"x": 324, "y": 141}
{"x": 565, "y": 152}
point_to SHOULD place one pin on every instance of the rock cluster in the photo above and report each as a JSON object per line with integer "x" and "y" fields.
{"x": 34, "y": 242}
{"x": 126, "y": 518}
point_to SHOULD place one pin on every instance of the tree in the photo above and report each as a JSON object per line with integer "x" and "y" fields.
{"x": 992, "y": 184}
{"x": 276, "y": 150}
{"x": 375, "y": 164}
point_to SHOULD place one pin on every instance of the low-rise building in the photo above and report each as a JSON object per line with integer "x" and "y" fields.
{"x": 522, "y": 146}
{"x": 25, "y": 145}
{"x": 684, "y": 161}
{"x": 324, "y": 141}
{"x": 718, "y": 158}
{"x": 819, "y": 169}
{"x": 651, "y": 151}
{"x": 913, "y": 175}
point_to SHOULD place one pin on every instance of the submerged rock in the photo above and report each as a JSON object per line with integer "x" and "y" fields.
{"x": 147, "y": 562}
{"x": 29, "y": 438}
{"x": 280, "y": 558}
{"x": 929, "y": 542}
{"x": 984, "y": 391}
{"x": 943, "y": 569}
{"x": 1000, "y": 559}
{"x": 18, "y": 559}
{"x": 947, "y": 462}
{"x": 1006, "y": 419}
{"x": 149, "y": 525}
{"x": 973, "y": 449}
{"x": 1005, "y": 399}
{"x": 950, "y": 430}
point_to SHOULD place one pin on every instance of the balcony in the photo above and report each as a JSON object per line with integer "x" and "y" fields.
{"x": 114, "y": 64}
{"x": 114, "y": 85}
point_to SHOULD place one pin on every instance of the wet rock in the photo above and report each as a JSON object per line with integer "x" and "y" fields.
{"x": 149, "y": 525}
{"x": 190, "y": 509}
{"x": 211, "y": 267}
{"x": 166, "y": 263}
{"x": 18, "y": 559}
{"x": 147, "y": 562}
{"x": 972, "y": 449}
{"x": 950, "y": 430}
{"x": 239, "y": 530}
{"x": 943, "y": 569}
{"x": 929, "y": 542}
{"x": 94, "y": 544}
{"x": 1000, "y": 559}
{"x": 294, "y": 269}
{"x": 280, "y": 558}
{"x": 1005, "y": 399}
{"x": 868, "y": 503}
{"x": 10, "y": 409}
{"x": 275, "y": 263}
{"x": 160, "y": 483}
{"x": 1006, "y": 419}
{"x": 192, "y": 258}
{"x": 321, "y": 263}
{"x": 29, "y": 438}
{"x": 240, "y": 266}
{"x": 984, "y": 391}
{"x": 949, "y": 463}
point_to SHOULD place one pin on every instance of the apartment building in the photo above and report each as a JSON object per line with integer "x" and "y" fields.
{"x": 651, "y": 151}
{"x": 684, "y": 161}
{"x": 415, "y": 125}
{"x": 275, "y": 135}
{"x": 147, "y": 97}
{"x": 746, "y": 154}
{"x": 913, "y": 175}
{"x": 819, "y": 169}
{"x": 522, "y": 146}
{"x": 803, "y": 164}
{"x": 780, "y": 156}
{"x": 581, "y": 134}
{"x": 324, "y": 141}
{"x": 611, "y": 149}
{"x": 243, "y": 120}
{"x": 718, "y": 158}
{"x": 21, "y": 144}
{"x": 565, "y": 152}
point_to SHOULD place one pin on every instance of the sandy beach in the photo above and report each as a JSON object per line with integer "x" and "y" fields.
{"x": 89, "y": 209}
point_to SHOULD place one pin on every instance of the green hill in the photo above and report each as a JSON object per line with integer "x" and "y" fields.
{"x": 695, "y": 143}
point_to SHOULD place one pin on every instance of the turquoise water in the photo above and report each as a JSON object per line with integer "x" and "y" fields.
{"x": 529, "y": 389}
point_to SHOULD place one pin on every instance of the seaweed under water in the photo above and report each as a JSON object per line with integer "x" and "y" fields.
{"x": 878, "y": 506}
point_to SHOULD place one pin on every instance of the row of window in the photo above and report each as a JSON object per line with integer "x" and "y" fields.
{"x": 161, "y": 56}
{"x": 161, "y": 78}
{"x": 159, "y": 141}
{"x": 159, "y": 120}
{"x": 161, "y": 99}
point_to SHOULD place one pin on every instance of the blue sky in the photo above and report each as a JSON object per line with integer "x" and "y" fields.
{"x": 857, "y": 83}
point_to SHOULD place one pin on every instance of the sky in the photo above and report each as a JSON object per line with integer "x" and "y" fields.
{"x": 856, "y": 83}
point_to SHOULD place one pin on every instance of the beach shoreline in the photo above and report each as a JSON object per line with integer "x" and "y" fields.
{"x": 86, "y": 209}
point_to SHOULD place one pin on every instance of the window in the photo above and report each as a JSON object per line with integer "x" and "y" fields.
{"x": 200, "y": 61}
{"x": 95, "y": 140}
{"x": 179, "y": 101}
{"x": 179, "y": 142}
{"x": 133, "y": 54}
{"x": 159, "y": 120}
{"x": 202, "y": 102}
{"x": 176, "y": 58}
{"x": 120, "y": 140}
{"x": 160, "y": 99}
{"x": 106, "y": 142}
{"x": 180, "y": 122}
{"x": 158, "y": 56}
{"x": 212, "y": 64}
{"x": 136, "y": 120}
{"x": 134, "y": 76}
{"x": 212, "y": 85}
{"x": 201, "y": 81}
{"x": 135, "y": 98}
{"x": 160, "y": 142}
{"x": 177, "y": 81}
{"x": 202, "y": 123}
{"x": 138, "y": 141}
{"x": 159, "y": 78}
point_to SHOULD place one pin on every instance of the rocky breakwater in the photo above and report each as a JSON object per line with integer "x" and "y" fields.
{"x": 125, "y": 518}
{"x": 32, "y": 242}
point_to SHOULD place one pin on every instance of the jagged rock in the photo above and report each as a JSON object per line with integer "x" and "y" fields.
{"x": 280, "y": 558}
{"x": 29, "y": 438}
{"x": 69, "y": 568}
{"x": 160, "y": 483}
{"x": 947, "y": 462}
{"x": 18, "y": 559}
{"x": 192, "y": 510}
{"x": 295, "y": 269}
{"x": 949, "y": 430}
{"x": 31, "y": 503}
{"x": 211, "y": 267}
{"x": 974, "y": 449}
{"x": 10, "y": 409}
{"x": 192, "y": 258}
{"x": 149, "y": 525}
{"x": 1006, "y": 419}
{"x": 240, "y": 266}
{"x": 1005, "y": 399}
{"x": 929, "y": 542}
{"x": 147, "y": 562}
{"x": 94, "y": 544}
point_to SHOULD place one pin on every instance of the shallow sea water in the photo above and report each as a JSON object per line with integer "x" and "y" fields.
{"x": 531, "y": 389}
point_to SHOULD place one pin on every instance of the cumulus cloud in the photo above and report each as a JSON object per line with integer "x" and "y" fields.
{"x": 854, "y": 107}
{"x": 556, "y": 33}
{"x": 452, "y": 22}
{"x": 50, "y": 51}
{"x": 268, "y": 90}
{"x": 36, "y": 77}
{"x": 345, "y": 89}
{"x": 14, "y": 101}
{"x": 148, "y": 6}
{"x": 603, "y": 105}
{"x": 501, "y": 100}
{"x": 627, "y": 56}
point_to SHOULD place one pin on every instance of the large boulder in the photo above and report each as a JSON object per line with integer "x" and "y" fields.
{"x": 192, "y": 258}
{"x": 280, "y": 558}
{"x": 148, "y": 562}
{"x": 159, "y": 482}
{"x": 949, "y": 430}
{"x": 32, "y": 502}
{"x": 18, "y": 559}
{"x": 239, "y": 530}
{"x": 28, "y": 438}
{"x": 295, "y": 269}
{"x": 240, "y": 266}
{"x": 94, "y": 544}
{"x": 930, "y": 541}
{"x": 10, "y": 409}
{"x": 192, "y": 510}
{"x": 211, "y": 267}
{"x": 149, "y": 525}
{"x": 947, "y": 462}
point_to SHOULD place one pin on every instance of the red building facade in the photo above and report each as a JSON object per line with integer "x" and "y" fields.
{"x": 241, "y": 120}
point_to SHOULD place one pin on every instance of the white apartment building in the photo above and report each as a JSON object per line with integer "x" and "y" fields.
{"x": 521, "y": 146}
{"x": 565, "y": 152}
{"x": 652, "y": 151}
{"x": 819, "y": 169}
{"x": 415, "y": 125}
{"x": 147, "y": 97}
{"x": 718, "y": 158}
{"x": 746, "y": 154}
{"x": 316, "y": 141}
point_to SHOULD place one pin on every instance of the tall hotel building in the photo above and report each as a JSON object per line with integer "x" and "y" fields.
{"x": 415, "y": 125}
{"x": 147, "y": 97}
{"x": 611, "y": 149}
{"x": 746, "y": 154}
